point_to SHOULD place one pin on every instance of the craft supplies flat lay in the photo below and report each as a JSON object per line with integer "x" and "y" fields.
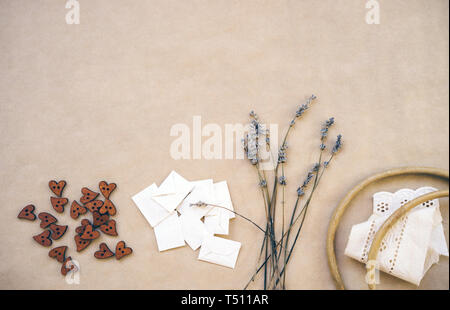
{"x": 173, "y": 211}
{"x": 413, "y": 244}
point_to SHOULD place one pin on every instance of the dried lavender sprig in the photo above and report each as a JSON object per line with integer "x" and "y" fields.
{"x": 304, "y": 107}
{"x": 302, "y": 213}
{"x": 336, "y": 148}
{"x": 281, "y": 160}
{"x": 282, "y": 156}
{"x": 300, "y": 111}
{"x": 324, "y": 130}
{"x": 337, "y": 145}
{"x": 301, "y": 190}
{"x": 287, "y": 231}
{"x": 252, "y": 153}
{"x": 266, "y": 197}
{"x": 325, "y": 164}
{"x": 309, "y": 176}
{"x": 316, "y": 183}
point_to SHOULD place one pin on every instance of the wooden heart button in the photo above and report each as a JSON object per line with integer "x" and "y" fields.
{"x": 27, "y": 213}
{"x": 106, "y": 188}
{"x": 81, "y": 243}
{"x": 43, "y": 238}
{"x": 68, "y": 265}
{"x": 122, "y": 250}
{"x": 88, "y": 195}
{"x": 46, "y": 219}
{"x": 94, "y": 205}
{"x": 80, "y": 229}
{"x": 89, "y": 233}
{"x": 108, "y": 207}
{"x": 76, "y": 210}
{"x": 58, "y": 231}
{"x": 58, "y": 203}
{"x": 57, "y": 187}
{"x": 109, "y": 228}
{"x": 59, "y": 253}
{"x": 99, "y": 219}
{"x": 104, "y": 252}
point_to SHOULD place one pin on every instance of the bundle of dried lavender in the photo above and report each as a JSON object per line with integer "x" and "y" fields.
{"x": 275, "y": 250}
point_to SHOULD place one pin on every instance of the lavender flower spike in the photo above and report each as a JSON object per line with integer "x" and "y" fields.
{"x": 329, "y": 122}
{"x": 338, "y": 144}
{"x": 324, "y": 130}
{"x": 282, "y": 156}
{"x": 304, "y": 107}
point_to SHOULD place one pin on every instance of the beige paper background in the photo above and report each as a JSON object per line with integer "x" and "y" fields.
{"x": 97, "y": 100}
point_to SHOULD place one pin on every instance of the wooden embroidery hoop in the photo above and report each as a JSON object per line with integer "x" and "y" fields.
{"x": 345, "y": 202}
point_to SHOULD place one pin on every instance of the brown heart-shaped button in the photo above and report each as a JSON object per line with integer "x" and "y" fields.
{"x": 108, "y": 207}
{"x": 104, "y": 252}
{"x": 58, "y": 231}
{"x": 57, "y": 187}
{"x": 81, "y": 243}
{"x": 88, "y": 195}
{"x": 99, "y": 219}
{"x": 43, "y": 238}
{"x": 109, "y": 228}
{"x": 46, "y": 219}
{"x": 106, "y": 188}
{"x": 122, "y": 250}
{"x": 76, "y": 210}
{"x": 58, "y": 203}
{"x": 27, "y": 213}
{"x": 68, "y": 265}
{"x": 89, "y": 233}
{"x": 80, "y": 229}
{"x": 94, "y": 205}
{"x": 59, "y": 253}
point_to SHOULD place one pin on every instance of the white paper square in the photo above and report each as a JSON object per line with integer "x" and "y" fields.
{"x": 172, "y": 184}
{"x": 219, "y": 251}
{"x": 169, "y": 234}
{"x": 172, "y": 191}
{"x": 193, "y": 230}
{"x": 151, "y": 210}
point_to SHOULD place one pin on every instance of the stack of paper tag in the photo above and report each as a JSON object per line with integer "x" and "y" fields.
{"x": 176, "y": 221}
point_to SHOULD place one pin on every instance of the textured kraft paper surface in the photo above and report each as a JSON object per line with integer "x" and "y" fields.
{"x": 96, "y": 101}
